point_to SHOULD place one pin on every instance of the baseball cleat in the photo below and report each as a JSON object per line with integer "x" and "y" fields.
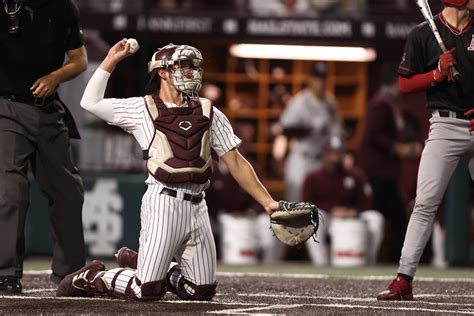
{"x": 81, "y": 282}
{"x": 126, "y": 258}
{"x": 399, "y": 290}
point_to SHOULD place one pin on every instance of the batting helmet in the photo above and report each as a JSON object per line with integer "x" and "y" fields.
{"x": 455, "y": 3}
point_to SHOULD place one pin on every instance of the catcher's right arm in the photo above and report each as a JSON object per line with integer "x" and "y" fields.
{"x": 294, "y": 223}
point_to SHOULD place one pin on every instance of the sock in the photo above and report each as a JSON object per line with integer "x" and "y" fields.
{"x": 406, "y": 277}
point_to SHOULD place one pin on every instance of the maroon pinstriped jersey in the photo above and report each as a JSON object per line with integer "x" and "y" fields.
{"x": 422, "y": 54}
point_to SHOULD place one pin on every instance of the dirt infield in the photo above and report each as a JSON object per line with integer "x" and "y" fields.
{"x": 243, "y": 293}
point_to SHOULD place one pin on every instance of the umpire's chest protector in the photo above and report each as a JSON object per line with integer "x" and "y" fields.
{"x": 180, "y": 149}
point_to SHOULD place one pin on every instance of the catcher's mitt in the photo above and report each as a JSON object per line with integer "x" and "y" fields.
{"x": 294, "y": 223}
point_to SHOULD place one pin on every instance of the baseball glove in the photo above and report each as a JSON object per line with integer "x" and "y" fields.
{"x": 294, "y": 223}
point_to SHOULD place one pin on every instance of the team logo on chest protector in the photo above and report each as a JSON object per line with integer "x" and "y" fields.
{"x": 180, "y": 149}
{"x": 185, "y": 125}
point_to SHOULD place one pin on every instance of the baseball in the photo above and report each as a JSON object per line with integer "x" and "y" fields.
{"x": 133, "y": 45}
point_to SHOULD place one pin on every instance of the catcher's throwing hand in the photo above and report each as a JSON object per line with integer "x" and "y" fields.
{"x": 116, "y": 54}
{"x": 294, "y": 223}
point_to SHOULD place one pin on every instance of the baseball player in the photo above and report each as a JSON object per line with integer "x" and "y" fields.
{"x": 424, "y": 67}
{"x": 311, "y": 117}
{"x": 176, "y": 130}
{"x": 341, "y": 192}
{"x": 309, "y": 120}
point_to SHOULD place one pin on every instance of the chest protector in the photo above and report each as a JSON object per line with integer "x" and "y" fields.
{"x": 180, "y": 150}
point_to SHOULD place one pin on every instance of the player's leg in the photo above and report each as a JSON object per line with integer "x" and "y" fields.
{"x": 446, "y": 143}
{"x": 272, "y": 249}
{"x": 438, "y": 161}
{"x": 297, "y": 167}
{"x": 59, "y": 180}
{"x": 238, "y": 235}
{"x": 319, "y": 252}
{"x": 17, "y": 146}
{"x": 194, "y": 278}
{"x": 375, "y": 225}
{"x": 164, "y": 226}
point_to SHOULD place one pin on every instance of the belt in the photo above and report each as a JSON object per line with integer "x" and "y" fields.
{"x": 193, "y": 198}
{"x": 39, "y": 102}
{"x": 451, "y": 114}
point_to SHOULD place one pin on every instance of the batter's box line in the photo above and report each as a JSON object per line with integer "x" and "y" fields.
{"x": 364, "y": 299}
{"x": 337, "y": 306}
{"x": 102, "y": 298}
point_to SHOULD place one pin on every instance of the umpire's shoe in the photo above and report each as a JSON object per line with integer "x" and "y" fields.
{"x": 9, "y": 285}
{"x": 400, "y": 289}
{"x": 126, "y": 258}
{"x": 84, "y": 282}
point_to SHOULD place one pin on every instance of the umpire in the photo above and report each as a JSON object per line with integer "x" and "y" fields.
{"x": 35, "y": 129}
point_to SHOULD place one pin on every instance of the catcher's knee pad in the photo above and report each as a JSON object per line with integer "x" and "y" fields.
{"x": 150, "y": 291}
{"x": 187, "y": 290}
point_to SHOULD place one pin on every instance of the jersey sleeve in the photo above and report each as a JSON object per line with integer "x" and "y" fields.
{"x": 124, "y": 113}
{"x": 412, "y": 62}
{"x": 75, "y": 36}
{"x": 128, "y": 113}
{"x": 222, "y": 135}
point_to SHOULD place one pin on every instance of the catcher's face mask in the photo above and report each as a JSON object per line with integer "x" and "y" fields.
{"x": 184, "y": 63}
{"x": 12, "y": 9}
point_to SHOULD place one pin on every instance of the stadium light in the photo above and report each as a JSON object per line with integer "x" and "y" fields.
{"x": 301, "y": 52}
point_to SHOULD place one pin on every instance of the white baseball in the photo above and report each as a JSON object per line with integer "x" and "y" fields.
{"x": 133, "y": 45}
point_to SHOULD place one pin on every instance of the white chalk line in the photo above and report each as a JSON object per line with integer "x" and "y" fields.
{"x": 260, "y": 306}
{"x": 245, "y": 310}
{"x": 102, "y": 298}
{"x": 32, "y": 291}
{"x": 337, "y": 298}
{"x": 265, "y": 306}
{"x": 69, "y": 298}
{"x": 350, "y": 306}
{"x": 364, "y": 299}
{"x": 308, "y": 276}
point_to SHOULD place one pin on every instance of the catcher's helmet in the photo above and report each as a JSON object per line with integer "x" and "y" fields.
{"x": 178, "y": 58}
{"x": 455, "y": 3}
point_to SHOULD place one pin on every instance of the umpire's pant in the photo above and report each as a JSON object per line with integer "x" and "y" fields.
{"x": 29, "y": 135}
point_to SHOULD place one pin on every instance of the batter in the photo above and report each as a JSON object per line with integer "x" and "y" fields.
{"x": 425, "y": 68}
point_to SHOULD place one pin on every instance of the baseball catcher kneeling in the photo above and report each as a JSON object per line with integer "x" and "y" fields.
{"x": 294, "y": 223}
{"x": 177, "y": 131}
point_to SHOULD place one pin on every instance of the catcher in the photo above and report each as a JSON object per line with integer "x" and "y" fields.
{"x": 176, "y": 130}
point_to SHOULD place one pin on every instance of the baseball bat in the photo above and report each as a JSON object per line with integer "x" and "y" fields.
{"x": 426, "y": 11}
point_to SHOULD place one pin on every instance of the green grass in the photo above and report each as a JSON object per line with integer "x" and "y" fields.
{"x": 303, "y": 268}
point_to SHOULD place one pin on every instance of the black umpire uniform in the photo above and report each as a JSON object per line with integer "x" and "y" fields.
{"x": 37, "y": 131}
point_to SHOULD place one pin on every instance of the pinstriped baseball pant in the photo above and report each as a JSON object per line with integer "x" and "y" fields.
{"x": 171, "y": 227}
{"x": 449, "y": 140}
